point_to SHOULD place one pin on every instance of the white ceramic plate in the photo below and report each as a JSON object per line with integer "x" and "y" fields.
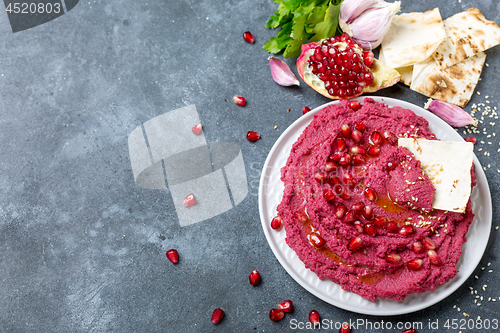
{"x": 271, "y": 191}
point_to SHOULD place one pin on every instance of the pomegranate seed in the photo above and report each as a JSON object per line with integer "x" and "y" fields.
{"x": 428, "y": 244}
{"x": 359, "y": 227}
{"x": 358, "y": 206}
{"x": 336, "y": 157}
{"x": 346, "y": 130}
{"x": 276, "y": 223}
{"x": 391, "y": 166}
{"x": 417, "y": 247}
{"x": 196, "y": 129}
{"x": 370, "y": 229}
{"x": 392, "y": 226}
{"x": 367, "y": 212}
{"x": 330, "y": 166}
{"x": 217, "y": 316}
{"x": 339, "y": 144}
{"x": 357, "y": 136}
{"x": 414, "y": 264}
{"x": 354, "y": 244}
{"x": 376, "y": 138}
{"x": 305, "y": 109}
{"x": 248, "y": 37}
{"x": 329, "y": 195}
{"x": 380, "y": 221}
{"x": 411, "y": 330}
{"x": 239, "y": 100}
{"x": 333, "y": 180}
{"x": 301, "y": 217}
{"x": 314, "y": 318}
{"x": 390, "y": 138}
{"x": 345, "y": 160}
{"x": 355, "y": 105}
{"x": 349, "y": 217}
{"x": 358, "y": 159}
{"x": 434, "y": 258}
{"x": 357, "y": 149}
{"x": 320, "y": 177}
{"x": 345, "y": 328}
{"x": 345, "y": 194}
{"x": 189, "y": 200}
{"x": 276, "y": 314}
{"x": 317, "y": 240}
{"x": 173, "y": 256}
{"x": 373, "y": 151}
{"x": 393, "y": 258}
{"x": 349, "y": 180}
{"x": 254, "y": 277}
{"x": 361, "y": 126}
{"x": 471, "y": 139}
{"x": 340, "y": 210}
{"x": 253, "y": 136}
{"x": 286, "y": 306}
{"x": 370, "y": 194}
{"x": 407, "y": 230}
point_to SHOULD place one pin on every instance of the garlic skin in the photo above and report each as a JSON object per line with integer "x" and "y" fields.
{"x": 452, "y": 114}
{"x": 350, "y": 9}
{"x": 282, "y": 74}
{"x": 370, "y": 27}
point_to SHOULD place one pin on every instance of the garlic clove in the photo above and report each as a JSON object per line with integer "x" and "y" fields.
{"x": 282, "y": 74}
{"x": 351, "y": 9}
{"x": 452, "y": 114}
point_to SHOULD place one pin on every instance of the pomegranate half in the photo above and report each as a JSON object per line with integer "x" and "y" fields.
{"x": 338, "y": 68}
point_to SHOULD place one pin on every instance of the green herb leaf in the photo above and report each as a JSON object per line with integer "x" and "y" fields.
{"x": 328, "y": 27}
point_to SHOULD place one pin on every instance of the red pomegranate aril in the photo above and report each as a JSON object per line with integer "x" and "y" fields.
{"x": 392, "y": 227}
{"x": 358, "y": 159}
{"x": 173, "y": 256}
{"x": 349, "y": 217}
{"x": 358, "y": 206}
{"x": 349, "y": 180}
{"x": 335, "y": 157}
{"x": 354, "y": 244}
{"x": 417, "y": 247}
{"x": 361, "y": 126}
{"x": 253, "y": 136}
{"x": 380, "y": 221}
{"x": 359, "y": 227}
{"x": 355, "y": 105}
{"x": 390, "y": 138}
{"x": 330, "y": 166}
{"x": 317, "y": 240}
{"x": 333, "y": 180}
{"x": 367, "y": 212}
{"x": 407, "y": 230}
{"x": 276, "y": 314}
{"x": 370, "y": 229}
{"x": 391, "y": 166}
{"x": 305, "y": 109}
{"x": 239, "y": 100}
{"x": 368, "y": 58}
{"x": 345, "y": 328}
{"x": 345, "y": 160}
{"x": 276, "y": 223}
{"x": 411, "y": 330}
{"x": 314, "y": 318}
{"x": 393, "y": 258}
{"x": 339, "y": 145}
{"x": 217, "y": 316}
{"x": 373, "y": 151}
{"x": 320, "y": 177}
{"x": 286, "y": 306}
{"x": 189, "y": 200}
{"x": 414, "y": 264}
{"x": 428, "y": 244}
{"x": 356, "y": 135}
{"x": 370, "y": 194}
{"x": 248, "y": 37}
{"x": 358, "y": 150}
{"x": 301, "y": 217}
{"x": 346, "y": 130}
{"x": 345, "y": 194}
{"x": 376, "y": 138}
{"x": 470, "y": 139}
{"x": 196, "y": 129}
{"x": 340, "y": 210}
{"x": 434, "y": 258}
{"x": 368, "y": 78}
{"x": 254, "y": 277}
{"x": 329, "y": 195}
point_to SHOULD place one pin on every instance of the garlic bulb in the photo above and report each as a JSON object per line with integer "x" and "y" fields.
{"x": 367, "y": 21}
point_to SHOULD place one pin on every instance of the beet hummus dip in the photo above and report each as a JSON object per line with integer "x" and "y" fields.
{"x": 357, "y": 208}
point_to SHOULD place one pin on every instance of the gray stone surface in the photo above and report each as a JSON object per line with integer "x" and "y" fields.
{"x": 82, "y": 247}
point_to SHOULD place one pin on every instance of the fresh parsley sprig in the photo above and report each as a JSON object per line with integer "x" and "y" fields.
{"x": 302, "y": 21}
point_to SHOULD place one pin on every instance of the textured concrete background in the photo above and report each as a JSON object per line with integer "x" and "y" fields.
{"x": 82, "y": 247}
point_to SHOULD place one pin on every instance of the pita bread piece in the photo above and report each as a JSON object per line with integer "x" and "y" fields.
{"x": 454, "y": 84}
{"x": 412, "y": 38}
{"x": 405, "y": 72}
{"x": 448, "y": 165}
{"x": 468, "y": 33}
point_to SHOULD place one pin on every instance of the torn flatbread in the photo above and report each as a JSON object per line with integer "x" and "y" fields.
{"x": 405, "y": 72}
{"x": 468, "y": 33}
{"x": 412, "y": 38}
{"x": 448, "y": 165}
